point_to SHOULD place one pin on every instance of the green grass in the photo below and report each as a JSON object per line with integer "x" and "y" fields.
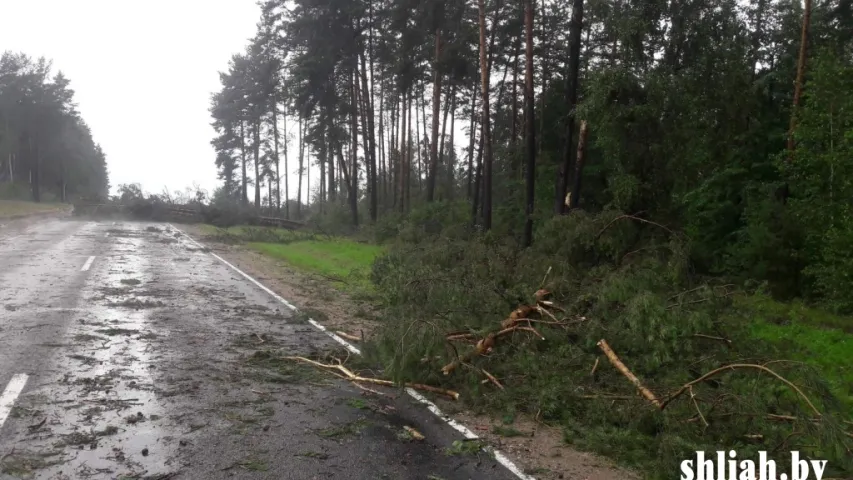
{"x": 9, "y": 208}
{"x": 814, "y": 337}
{"x": 346, "y": 262}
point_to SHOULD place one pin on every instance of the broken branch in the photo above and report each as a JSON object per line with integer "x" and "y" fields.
{"x": 611, "y": 355}
{"x": 349, "y": 375}
{"x": 735, "y": 366}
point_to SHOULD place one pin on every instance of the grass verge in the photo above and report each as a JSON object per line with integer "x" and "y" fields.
{"x": 345, "y": 262}
{"x": 14, "y": 208}
{"x": 817, "y": 338}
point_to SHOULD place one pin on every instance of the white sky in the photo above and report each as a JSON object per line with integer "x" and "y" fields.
{"x": 143, "y": 73}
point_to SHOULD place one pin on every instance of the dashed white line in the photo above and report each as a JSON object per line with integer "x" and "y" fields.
{"x": 7, "y": 399}
{"x": 88, "y": 264}
{"x": 465, "y": 431}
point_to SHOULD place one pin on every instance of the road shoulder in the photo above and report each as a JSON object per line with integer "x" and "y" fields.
{"x": 538, "y": 449}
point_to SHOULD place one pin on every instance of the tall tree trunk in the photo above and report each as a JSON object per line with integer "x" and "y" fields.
{"x": 245, "y": 197}
{"x": 418, "y": 142}
{"x": 436, "y": 110}
{"x": 472, "y": 133}
{"x": 448, "y": 96}
{"x": 370, "y": 140}
{"x": 307, "y": 172}
{"x": 451, "y": 159}
{"x": 382, "y": 173}
{"x": 353, "y": 190}
{"x": 35, "y": 172}
{"x": 487, "y": 134}
{"x": 301, "y": 172}
{"x": 402, "y": 161}
{"x": 545, "y": 79}
{"x": 422, "y": 165}
{"x": 478, "y": 181}
{"x": 574, "y": 66}
{"x": 286, "y": 172}
{"x": 331, "y": 188}
{"x": 275, "y": 152}
{"x": 256, "y": 148}
{"x": 530, "y": 140}
{"x": 801, "y": 71}
{"x": 322, "y": 158}
{"x": 408, "y": 175}
{"x": 514, "y": 132}
{"x": 575, "y": 192}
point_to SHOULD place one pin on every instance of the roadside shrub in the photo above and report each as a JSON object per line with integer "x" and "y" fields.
{"x": 618, "y": 278}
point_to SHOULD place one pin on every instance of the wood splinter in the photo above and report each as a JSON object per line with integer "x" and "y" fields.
{"x": 614, "y": 360}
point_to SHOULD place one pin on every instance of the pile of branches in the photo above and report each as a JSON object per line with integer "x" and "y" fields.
{"x": 526, "y": 320}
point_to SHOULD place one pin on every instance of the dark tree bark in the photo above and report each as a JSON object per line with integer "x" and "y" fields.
{"x": 472, "y": 133}
{"x": 256, "y": 149}
{"x": 331, "y": 187}
{"x": 447, "y": 102}
{"x": 402, "y": 162}
{"x": 286, "y": 171}
{"x": 436, "y": 109}
{"x": 514, "y": 133}
{"x": 408, "y": 173}
{"x": 353, "y": 189}
{"x": 370, "y": 141}
{"x": 487, "y": 135}
{"x": 530, "y": 140}
{"x": 245, "y": 188}
{"x": 451, "y": 158}
{"x": 301, "y": 172}
{"x": 275, "y": 153}
{"x": 575, "y": 192}
{"x": 575, "y": 28}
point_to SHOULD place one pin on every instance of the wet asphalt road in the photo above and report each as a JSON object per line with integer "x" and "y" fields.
{"x": 139, "y": 356}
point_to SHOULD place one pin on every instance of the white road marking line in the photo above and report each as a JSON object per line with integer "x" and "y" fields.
{"x": 7, "y": 399}
{"x": 465, "y": 431}
{"x": 88, "y": 264}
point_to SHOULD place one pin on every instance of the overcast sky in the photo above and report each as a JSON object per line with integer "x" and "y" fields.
{"x": 143, "y": 73}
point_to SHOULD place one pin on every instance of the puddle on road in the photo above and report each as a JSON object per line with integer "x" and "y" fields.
{"x": 102, "y": 417}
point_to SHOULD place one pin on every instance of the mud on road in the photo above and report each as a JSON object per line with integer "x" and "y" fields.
{"x": 146, "y": 358}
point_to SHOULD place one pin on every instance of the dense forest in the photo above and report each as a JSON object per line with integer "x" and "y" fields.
{"x": 727, "y": 121}
{"x": 46, "y": 149}
{"x": 672, "y": 169}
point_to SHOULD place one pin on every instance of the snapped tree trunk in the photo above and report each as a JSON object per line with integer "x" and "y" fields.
{"x": 574, "y": 69}
{"x": 530, "y": 140}
{"x": 801, "y": 70}
{"x": 575, "y": 192}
